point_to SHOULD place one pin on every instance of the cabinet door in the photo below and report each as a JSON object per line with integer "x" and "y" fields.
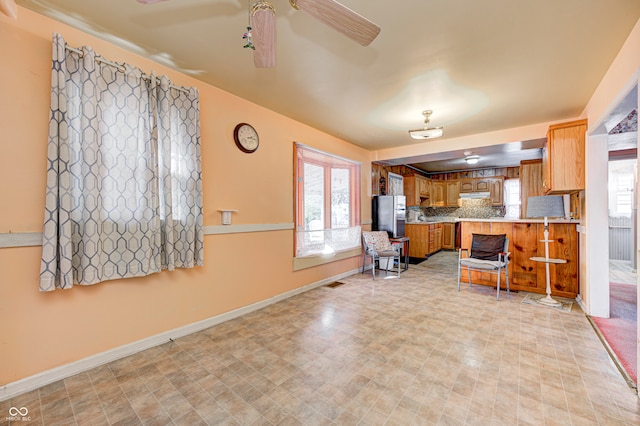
{"x": 423, "y": 186}
{"x": 432, "y": 239}
{"x": 448, "y": 235}
{"x": 530, "y": 183}
{"x": 482, "y": 185}
{"x": 563, "y": 158}
{"x": 466, "y": 185}
{"x": 453, "y": 193}
{"x": 496, "y": 188}
{"x": 438, "y": 194}
{"x": 438, "y": 239}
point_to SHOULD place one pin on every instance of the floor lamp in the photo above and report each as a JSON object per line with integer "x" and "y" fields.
{"x": 546, "y": 206}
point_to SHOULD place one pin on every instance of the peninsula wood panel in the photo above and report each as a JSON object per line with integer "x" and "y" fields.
{"x": 524, "y": 243}
{"x": 524, "y": 272}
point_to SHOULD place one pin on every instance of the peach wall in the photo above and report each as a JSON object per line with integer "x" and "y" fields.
{"x": 40, "y": 331}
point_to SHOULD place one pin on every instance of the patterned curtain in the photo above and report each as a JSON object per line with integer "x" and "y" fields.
{"x": 124, "y": 178}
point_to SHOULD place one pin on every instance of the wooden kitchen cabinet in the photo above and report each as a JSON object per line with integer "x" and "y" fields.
{"x": 424, "y": 186}
{"x": 416, "y": 189}
{"x": 453, "y": 192}
{"x": 496, "y": 191}
{"x": 449, "y": 235}
{"x": 467, "y": 185}
{"x": 563, "y": 158}
{"x": 438, "y": 194}
{"x": 424, "y": 239}
{"x": 493, "y": 185}
{"x": 418, "y": 239}
{"x": 435, "y": 237}
{"x": 530, "y": 183}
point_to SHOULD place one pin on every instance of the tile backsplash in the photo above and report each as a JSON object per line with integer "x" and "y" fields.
{"x": 471, "y": 208}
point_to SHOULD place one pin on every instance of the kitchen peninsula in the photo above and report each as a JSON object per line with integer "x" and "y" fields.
{"x": 524, "y": 243}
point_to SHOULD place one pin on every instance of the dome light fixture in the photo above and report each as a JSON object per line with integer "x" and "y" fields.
{"x": 427, "y": 132}
{"x": 472, "y": 159}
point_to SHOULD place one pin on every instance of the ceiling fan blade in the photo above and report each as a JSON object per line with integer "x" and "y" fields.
{"x": 9, "y": 8}
{"x": 340, "y": 18}
{"x": 149, "y": 1}
{"x": 263, "y": 22}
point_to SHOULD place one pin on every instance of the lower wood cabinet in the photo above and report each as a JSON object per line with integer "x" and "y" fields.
{"x": 524, "y": 243}
{"x": 449, "y": 235}
{"x": 425, "y": 239}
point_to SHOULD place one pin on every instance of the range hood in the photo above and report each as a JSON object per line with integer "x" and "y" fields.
{"x": 474, "y": 195}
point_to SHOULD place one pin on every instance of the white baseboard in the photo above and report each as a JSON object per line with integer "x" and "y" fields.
{"x": 44, "y": 378}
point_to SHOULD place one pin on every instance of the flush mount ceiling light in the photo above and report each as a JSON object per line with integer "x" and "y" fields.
{"x": 472, "y": 159}
{"x": 427, "y": 132}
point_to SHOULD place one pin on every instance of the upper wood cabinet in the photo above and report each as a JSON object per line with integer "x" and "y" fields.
{"x": 467, "y": 185}
{"x": 496, "y": 190}
{"x": 438, "y": 196}
{"x": 530, "y": 183}
{"x": 424, "y": 186}
{"x": 416, "y": 189}
{"x": 453, "y": 192}
{"x": 563, "y": 158}
{"x": 493, "y": 185}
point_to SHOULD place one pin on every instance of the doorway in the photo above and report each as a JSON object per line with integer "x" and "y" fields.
{"x": 617, "y": 326}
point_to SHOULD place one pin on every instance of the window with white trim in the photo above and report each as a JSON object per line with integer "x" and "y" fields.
{"x": 327, "y": 202}
{"x": 512, "y": 198}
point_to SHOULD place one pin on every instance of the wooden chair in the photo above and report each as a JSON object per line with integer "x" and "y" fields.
{"x": 489, "y": 253}
{"x": 377, "y": 246}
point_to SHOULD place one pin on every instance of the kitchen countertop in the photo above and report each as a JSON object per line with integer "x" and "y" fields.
{"x": 492, "y": 219}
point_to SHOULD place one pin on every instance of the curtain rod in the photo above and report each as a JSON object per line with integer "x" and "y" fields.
{"x": 121, "y": 68}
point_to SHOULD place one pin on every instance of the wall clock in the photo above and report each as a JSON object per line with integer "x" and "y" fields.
{"x": 246, "y": 137}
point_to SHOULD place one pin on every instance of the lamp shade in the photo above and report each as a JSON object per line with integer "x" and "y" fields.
{"x": 545, "y": 206}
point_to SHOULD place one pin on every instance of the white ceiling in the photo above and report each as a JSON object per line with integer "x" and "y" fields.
{"x": 480, "y": 66}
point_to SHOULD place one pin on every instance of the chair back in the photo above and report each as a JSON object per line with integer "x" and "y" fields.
{"x": 377, "y": 240}
{"x": 488, "y": 246}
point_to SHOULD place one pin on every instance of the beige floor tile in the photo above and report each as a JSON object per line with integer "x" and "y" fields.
{"x": 392, "y": 351}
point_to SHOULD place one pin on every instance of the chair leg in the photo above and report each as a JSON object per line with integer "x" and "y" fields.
{"x": 398, "y": 266}
{"x": 373, "y": 267}
{"x": 498, "y": 285}
{"x": 506, "y": 271}
{"x": 459, "y": 272}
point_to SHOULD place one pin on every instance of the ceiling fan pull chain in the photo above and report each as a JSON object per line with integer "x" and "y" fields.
{"x": 247, "y": 35}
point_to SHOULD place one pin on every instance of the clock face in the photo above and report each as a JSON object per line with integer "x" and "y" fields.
{"x": 246, "y": 137}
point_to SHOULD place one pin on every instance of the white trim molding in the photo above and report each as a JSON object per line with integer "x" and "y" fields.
{"x": 20, "y": 239}
{"x": 44, "y": 378}
{"x": 32, "y": 239}
{"x": 238, "y": 229}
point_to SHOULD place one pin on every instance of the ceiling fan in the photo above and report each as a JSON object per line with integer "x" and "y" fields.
{"x": 330, "y": 12}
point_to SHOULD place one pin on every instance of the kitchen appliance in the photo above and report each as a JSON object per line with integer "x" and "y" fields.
{"x": 474, "y": 195}
{"x": 389, "y": 214}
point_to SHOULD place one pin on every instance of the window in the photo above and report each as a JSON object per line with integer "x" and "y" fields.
{"x": 327, "y": 202}
{"x": 621, "y": 177}
{"x": 512, "y": 198}
{"x": 124, "y": 181}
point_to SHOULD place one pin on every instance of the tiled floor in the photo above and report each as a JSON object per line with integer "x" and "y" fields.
{"x": 391, "y": 351}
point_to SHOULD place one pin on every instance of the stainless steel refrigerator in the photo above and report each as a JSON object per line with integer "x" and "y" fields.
{"x": 389, "y": 214}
